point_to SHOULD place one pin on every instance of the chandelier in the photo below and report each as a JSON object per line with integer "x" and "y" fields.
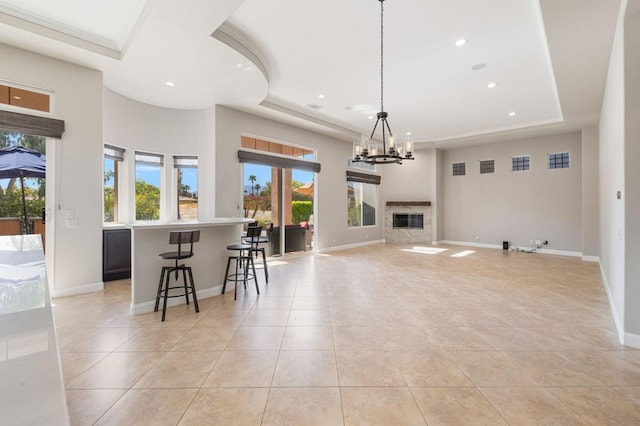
{"x": 367, "y": 150}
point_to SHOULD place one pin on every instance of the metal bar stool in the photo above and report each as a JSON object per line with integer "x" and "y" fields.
{"x": 243, "y": 260}
{"x": 254, "y": 238}
{"x": 182, "y": 239}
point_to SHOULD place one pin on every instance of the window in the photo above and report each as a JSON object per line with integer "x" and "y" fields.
{"x": 24, "y": 98}
{"x": 148, "y": 177}
{"x": 558, "y": 160}
{"x": 187, "y": 187}
{"x": 113, "y": 156}
{"x": 362, "y": 198}
{"x": 459, "y": 169}
{"x": 520, "y": 164}
{"x": 487, "y": 166}
{"x": 363, "y": 166}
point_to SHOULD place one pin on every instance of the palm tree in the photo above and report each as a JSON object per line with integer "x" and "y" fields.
{"x": 252, "y": 179}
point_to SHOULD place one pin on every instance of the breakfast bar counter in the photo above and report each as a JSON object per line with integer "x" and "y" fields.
{"x": 148, "y": 240}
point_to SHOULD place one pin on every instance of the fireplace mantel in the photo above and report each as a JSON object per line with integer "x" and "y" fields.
{"x": 408, "y": 203}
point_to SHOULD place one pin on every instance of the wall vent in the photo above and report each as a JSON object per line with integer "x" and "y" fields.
{"x": 314, "y": 106}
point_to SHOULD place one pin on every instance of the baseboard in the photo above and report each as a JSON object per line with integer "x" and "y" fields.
{"x": 612, "y": 306}
{"x": 471, "y": 244}
{"x": 631, "y": 339}
{"x": 79, "y": 289}
{"x": 591, "y": 259}
{"x": 144, "y": 307}
{"x": 350, "y": 246}
{"x": 499, "y": 246}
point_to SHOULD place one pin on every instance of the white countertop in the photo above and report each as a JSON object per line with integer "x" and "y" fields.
{"x": 31, "y": 386}
{"x": 218, "y": 221}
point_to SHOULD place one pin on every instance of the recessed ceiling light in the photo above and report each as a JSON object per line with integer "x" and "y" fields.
{"x": 170, "y": 83}
{"x": 239, "y": 65}
{"x": 461, "y": 42}
{"x": 408, "y": 133}
{"x": 248, "y": 69}
{"x": 321, "y": 96}
{"x": 512, "y": 113}
{"x": 492, "y": 85}
{"x": 19, "y": 98}
{"x": 370, "y": 117}
{"x": 478, "y": 67}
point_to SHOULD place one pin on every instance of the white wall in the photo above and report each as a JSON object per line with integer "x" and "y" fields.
{"x": 332, "y": 154}
{"x": 539, "y": 204}
{"x": 611, "y": 171}
{"x": 77, "y": 263}
{"x": 590, "y": 206}
{"x": 632, "y": 172}
{"x": 137, "y": 126}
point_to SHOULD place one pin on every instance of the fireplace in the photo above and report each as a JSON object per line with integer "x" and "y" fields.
{"x": 408, "y": 221}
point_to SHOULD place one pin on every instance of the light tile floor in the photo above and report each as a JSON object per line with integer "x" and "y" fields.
{"x": 377, "y": 335}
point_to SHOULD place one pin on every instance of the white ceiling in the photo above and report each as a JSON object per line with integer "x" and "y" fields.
{"x": 548, "y": 57}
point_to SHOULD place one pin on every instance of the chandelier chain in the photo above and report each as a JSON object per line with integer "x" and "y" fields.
{"x": 381, "y": 55}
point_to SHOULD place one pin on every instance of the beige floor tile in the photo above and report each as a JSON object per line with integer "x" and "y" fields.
{"x": 305, "y": 368}
{"x": 550, "y": 369}
{"x": 633, "y": 393}
{"x": 606, "y": 367}
{"x": 358, "y": 338}
{"x": 351, "y": 316}
{"x": 308, "y": 338}
{"x": 149, "y": 407}
{"x": 455, "y": 406}
{"x": 507, "y": 338}
{"x": 102, "y": 340}
{"x": 457, "y": 338}
{"x": 368, "y": 368}
{"x": 602, "y": 406}
{"x": 276, "y": 302}
{"x": 243, "y": 369}
{"x": 310, "y": 302}
{"x": 179, "y": 370}
{"x": 154, "y": 340}
{"x": 118, "y": 370}
{"x": 427, "y": 368}
{"x": 227, "y": 407}
{"x": 309, "y": 318}
{"x": 87, "y": 406}
{"x": 526, "y": 406}
{"x": 266, "y": 318}
{"x": 490, "y": 368}
{"x": 303, "y": 406}
{"x": 406, "y": 339}
{"x": 257, "y": 338}
{"x": 205, "y": 339}
{"x": 75, "y": 363}
{"x": 222, "y": 318}
{"x": 380, "y": 406}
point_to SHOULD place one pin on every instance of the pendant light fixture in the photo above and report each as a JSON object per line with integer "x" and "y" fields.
{"x": 366, "y": 149}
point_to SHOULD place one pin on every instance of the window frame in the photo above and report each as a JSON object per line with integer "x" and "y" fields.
{"x": 115, "y": 154}
{"x": 528, "y": 163}
{"x": 562, "y": 162}
{"x": 361, "y": 184}
{"x": 177, "y": 166}
{"x": 162, "y": 188}
{"x": 493, "y": 167}
{"x": 457, "y": 168}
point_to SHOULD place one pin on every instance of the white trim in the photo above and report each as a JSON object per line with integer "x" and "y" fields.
{"x": 471, "y": 244}
{"x": 632, "y": 340}
{"x": 612, "y": 306}
{"x": 79, "y": 289}
{"x": 435, "y": 243}
{"x": 561, "y": 252}
{"x": 350, "y": 246}
{"x": 144, "y": 307}
{"x": 499, "y": 246}
{"x": 591, "y": 259}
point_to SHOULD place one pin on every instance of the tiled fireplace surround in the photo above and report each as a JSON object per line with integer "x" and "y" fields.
{"x": 401, "y": 235}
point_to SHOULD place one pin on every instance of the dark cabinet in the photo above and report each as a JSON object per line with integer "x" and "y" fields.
{"x": 116, "y": 254}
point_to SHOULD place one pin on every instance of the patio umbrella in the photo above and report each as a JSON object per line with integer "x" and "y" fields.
{"x": 20, "y": 162}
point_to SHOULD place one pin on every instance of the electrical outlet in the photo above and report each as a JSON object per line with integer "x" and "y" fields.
{"x": 477, "y": 238}
{"x": 538, "y": 242}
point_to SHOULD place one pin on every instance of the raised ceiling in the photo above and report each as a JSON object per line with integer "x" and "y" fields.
{"x": 274, "y": 58}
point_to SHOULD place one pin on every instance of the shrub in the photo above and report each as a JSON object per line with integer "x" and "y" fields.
{"x": 301, "y": 210}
